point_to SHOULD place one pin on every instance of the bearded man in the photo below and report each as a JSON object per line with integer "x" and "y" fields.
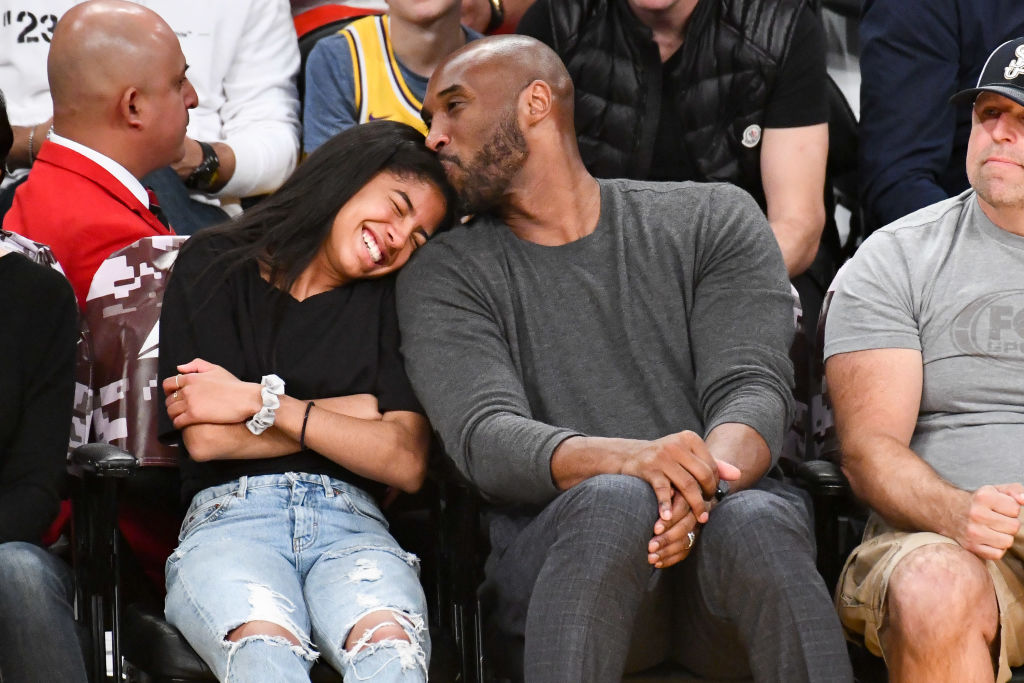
{"x": 599, "y": 358}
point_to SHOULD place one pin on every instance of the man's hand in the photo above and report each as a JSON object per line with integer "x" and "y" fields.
{"x": 990, "y": 521}
{"x": 671, "y": 542}
{"x": 679, "y": 468}
{"x": 188, "y": 163}
{"x": 679, "y": 464}
{"x": 207, "y": 393}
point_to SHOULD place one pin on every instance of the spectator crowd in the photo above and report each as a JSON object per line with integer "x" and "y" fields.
{"x": 581, "y": 257}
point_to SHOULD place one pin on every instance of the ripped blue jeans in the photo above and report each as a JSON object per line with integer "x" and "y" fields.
{"x": 306, "y": 552}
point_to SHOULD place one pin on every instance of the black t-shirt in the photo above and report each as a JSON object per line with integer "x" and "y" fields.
{"x": 799, "y": 98}
{"x": 37, "y": 373}
{"x": 340, "y": 342}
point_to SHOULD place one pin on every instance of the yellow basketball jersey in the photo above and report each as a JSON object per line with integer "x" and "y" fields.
{"x": 381, "y": 92}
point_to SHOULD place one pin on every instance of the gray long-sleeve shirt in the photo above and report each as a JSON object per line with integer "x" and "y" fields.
{"x": 675, "y": 313}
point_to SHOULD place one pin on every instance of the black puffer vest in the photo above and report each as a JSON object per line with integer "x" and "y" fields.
{"x": 731, "y": 56}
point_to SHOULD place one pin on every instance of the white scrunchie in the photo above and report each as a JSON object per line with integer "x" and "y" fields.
{"x": 273, "y": 387}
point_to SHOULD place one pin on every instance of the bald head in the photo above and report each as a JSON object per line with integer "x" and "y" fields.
{"x": 101, "y": 47}
{"x": 500, "y": 117}
{"x": 506, "y": 64}
{"x": 117, "y": 78}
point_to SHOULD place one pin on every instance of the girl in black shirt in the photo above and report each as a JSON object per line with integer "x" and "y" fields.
{"x": 284, "y": 384}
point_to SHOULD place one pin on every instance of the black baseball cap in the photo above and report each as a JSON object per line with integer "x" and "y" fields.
{"x": 1002, "y": 74}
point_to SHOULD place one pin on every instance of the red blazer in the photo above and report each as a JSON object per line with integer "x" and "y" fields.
{"x": 81, "y": 211}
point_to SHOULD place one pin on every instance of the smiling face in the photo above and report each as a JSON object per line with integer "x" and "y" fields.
{"x": 995, "y": 151}
{"x": 377, "y": 230}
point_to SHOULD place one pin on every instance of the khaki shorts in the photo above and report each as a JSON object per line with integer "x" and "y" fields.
{"x": 860, "y": 596}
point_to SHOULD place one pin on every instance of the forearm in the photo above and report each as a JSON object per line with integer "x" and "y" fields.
{"x": 264, "y": 155}
{"x": 798, "y": 238}
{"x": 900, "y": 486}
{"x": 740, "y": 445}
{"x": 581, "y": 457}
{"x": 194, "y": 156}
{"x": 260, "y": 115}
{"x": 207, "y": 441}
{"x": 20, "y": 155}
{"x": 235, "y": 442}
{"x": 391, "y": 450}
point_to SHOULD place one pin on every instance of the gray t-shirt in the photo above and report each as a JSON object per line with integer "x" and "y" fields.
{"x": 948, "y": 282}
{"x": 675, "y": 313}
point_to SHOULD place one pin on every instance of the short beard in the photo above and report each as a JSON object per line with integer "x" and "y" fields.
{"x": 489, "y": 174}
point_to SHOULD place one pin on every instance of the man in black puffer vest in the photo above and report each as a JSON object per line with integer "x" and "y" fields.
{"x": 706, "y": 90}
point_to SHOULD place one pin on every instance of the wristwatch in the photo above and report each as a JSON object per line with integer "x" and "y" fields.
{"x": 497, "y": 15}
{"x": 205, "y": 174}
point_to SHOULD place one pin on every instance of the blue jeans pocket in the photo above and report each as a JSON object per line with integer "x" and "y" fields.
{"x": 204, "y": 513}
{"x": 362, "y": 507}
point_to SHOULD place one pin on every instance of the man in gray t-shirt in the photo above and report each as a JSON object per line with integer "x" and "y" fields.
{"x": 925, "y": 365}
{"x": 598, "y": 357}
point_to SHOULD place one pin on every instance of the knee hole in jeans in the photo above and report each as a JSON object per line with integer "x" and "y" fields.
{"x": 376, "y": 627}
{"x": 262, "y": 628}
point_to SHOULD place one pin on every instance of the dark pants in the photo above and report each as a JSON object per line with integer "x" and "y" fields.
{"x": 38, "y": 638}
{"x": 185, "y": 215}
{"x": 574, "y": 581}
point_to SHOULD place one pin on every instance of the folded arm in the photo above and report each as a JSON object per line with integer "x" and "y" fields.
{"x": 210, "y": 406}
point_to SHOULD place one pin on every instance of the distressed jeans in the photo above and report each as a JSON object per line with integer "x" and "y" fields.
{"x": 306, "y": 552}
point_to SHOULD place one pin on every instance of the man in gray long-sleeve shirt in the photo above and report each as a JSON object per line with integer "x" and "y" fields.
{"x": 596, "y": 356}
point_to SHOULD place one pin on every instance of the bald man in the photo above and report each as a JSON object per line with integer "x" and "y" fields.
{"x": 599, "y": 357}
{"x": 120, "y": 108}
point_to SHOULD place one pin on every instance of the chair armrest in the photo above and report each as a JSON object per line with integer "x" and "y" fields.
{"x": 101, "y": 460}
{"x": 822, "y": 478}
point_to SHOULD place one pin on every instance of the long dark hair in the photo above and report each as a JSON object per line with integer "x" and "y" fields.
{"x": 285, "y": 230}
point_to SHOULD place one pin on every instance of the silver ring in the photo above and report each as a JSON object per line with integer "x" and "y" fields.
{"x": 177, "y": 385}
{"x": 691, "y": 536}
{"x": 174, "y": 397}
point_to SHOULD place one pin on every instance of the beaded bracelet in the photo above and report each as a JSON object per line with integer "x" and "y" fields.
{"x": 273, "y": 387}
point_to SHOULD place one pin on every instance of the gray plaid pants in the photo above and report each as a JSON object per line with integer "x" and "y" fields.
{"x": 748, "y": 602}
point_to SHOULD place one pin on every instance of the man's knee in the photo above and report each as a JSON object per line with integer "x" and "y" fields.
{"x": 760, "y": 522}
{"x": 606, "y": 519}
{"x": 941, "y": 590}
{"x": 613, "y": 494}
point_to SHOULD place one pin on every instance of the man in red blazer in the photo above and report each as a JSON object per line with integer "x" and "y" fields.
{"x": 120, "y": 107}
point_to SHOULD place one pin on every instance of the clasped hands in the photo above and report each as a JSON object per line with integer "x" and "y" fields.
{"x": 684, "y": 476}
